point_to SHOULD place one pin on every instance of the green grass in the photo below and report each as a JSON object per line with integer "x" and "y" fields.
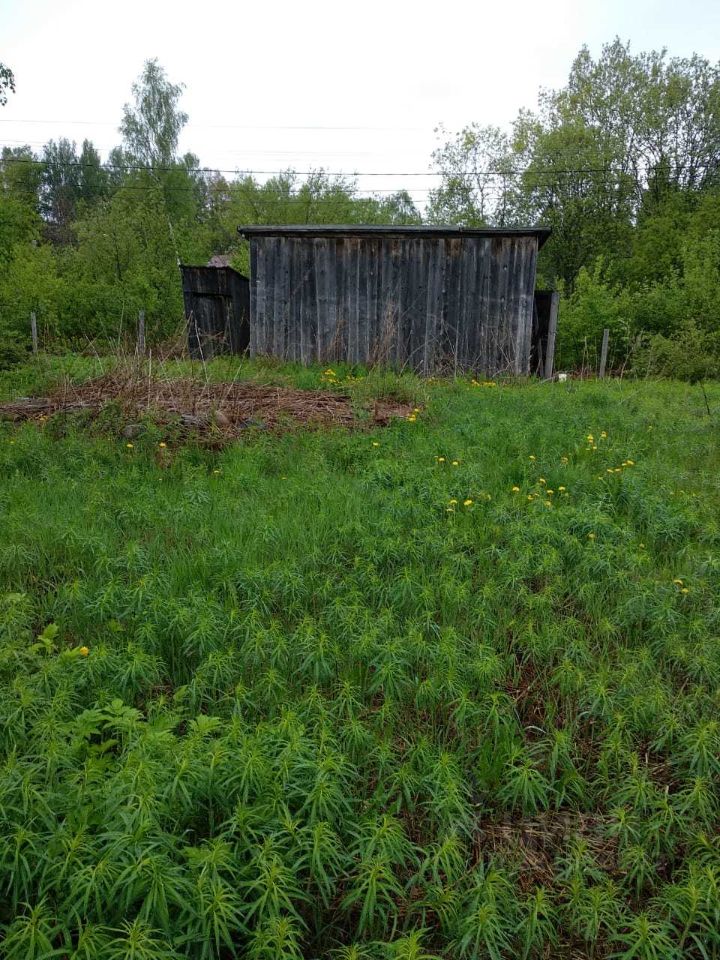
{"x": 325, "y": 711}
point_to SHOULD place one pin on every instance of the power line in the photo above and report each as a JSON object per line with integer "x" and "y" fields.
{"x": 234, "y": 126}
{"x": 161, "y": 168}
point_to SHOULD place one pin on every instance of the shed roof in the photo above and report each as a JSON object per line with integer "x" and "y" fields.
{"x": 358, "y": 230}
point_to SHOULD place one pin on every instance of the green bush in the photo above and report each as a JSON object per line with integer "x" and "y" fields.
{"x": 690, "y": 354}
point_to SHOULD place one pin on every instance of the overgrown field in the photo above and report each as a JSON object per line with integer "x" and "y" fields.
{"x": 447, "y": 688}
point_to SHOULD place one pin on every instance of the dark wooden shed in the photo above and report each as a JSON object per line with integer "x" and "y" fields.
{"x": 430, "y": 298}
{"x": 217, "y": 309}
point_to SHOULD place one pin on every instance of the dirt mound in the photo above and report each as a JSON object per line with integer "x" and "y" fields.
{"x": 221, "y": 408}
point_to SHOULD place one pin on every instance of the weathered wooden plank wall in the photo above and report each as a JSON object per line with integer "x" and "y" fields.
{"x": 217, "y": 310}
{"x": 428, "y": 302}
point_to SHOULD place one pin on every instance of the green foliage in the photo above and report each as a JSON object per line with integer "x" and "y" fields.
{"x": 295, "y": 698}
{"x": 7, "y": 83}
{"x": 690, "y": 354}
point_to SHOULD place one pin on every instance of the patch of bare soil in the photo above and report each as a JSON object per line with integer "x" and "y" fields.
{"x": 538, "y": 841}
{"x": 223, "y": 409}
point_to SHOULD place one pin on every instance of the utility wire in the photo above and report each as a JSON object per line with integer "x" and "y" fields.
{"x": 156, "y": 168}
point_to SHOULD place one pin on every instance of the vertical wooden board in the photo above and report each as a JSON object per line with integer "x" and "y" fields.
{"x": 527, "y": 300}
{"x": 274, "y": 303}
{"x": 442, "y": 340}
{"x": 604, "y": 353}
{"x": 363, "y": 323}
{"x": 341, "y": 300}
{"x": 319, "y": 269}
{"x": 482, "y": 306}
{"x": 310, "y": 313}
{"x": 494, "y": 307}
{"x": 413, "y": 343}
{"x": 257, "y": 293}
{"x": 469, "y": 271}
{"x": 552, "y": 332}
{"x": 505, "y": 358}
{"x": 288, "y": 338}
{"x": 280, "y": 298}
{"x": 292, "y": 339}
{"x": 386, "y": 308}
{"x": 404, "y": 255}
{"x": 268, "y": 332}
{"x": 407, "y": 252}
{"x": 292, "y": 345}
{"x": 273, "y": 297}
{"x": 375, "y": 325}
{"x": 471, "y": 297}
{"x": 416, "y": 340}
{"x": 331, "y": 295}
{"x": 381, "y": 321}
{"x": 264, "y": 293}
{"x": 433, "y": 305}
{"x": 352, "y": 254}
{"x": 306, "y": 265}
{"x": 512, "y": 319}
{"x": 452, "y": 295}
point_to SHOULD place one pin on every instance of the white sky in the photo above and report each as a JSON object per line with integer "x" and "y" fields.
{"x": 352, "y": 87}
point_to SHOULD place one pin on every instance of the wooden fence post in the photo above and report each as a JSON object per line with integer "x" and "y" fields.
{"x": 604, "y": 352}
{"x": 33, "y": 330}
{"x": 552, "y": 331}
{"x": 141, "y": 333}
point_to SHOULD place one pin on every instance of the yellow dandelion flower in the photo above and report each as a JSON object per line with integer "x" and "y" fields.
{"x": 561, "y": 489}
{"x": 593, "y": 448}
{"x": 530, "y": 496}
{"x": 564, "y": 460}
{"x": 375, "y": 443}
{"x": 453, "y": 503}
{"x": 216, "y": 472}
{"x": 609, "y": 470}
{"x": 84, "y": 651}
{"x": 630, "y": 463}
{"x": 548, "y": 503}
{"x": 412, "y": 418}
{"x": 129, "y": 446}
{"x": 590, "y": 438}
{"x": 440, "y": 459}
{"x": 549, "y": 492}
{"x": 604, "y": 435}
{"x": 532, "y": 457}
{"x": 467, "y": 503}
{"x": 162, "y": 445}
{"x": 516, "y": 489}
{"x": 642, "y": 546}
{"x": 591, "y": 536}
{"x": 542, "y": 480}
{"x": 684, "y": 590}
{"x": 456, "y": 463}
{"x": 678, "y": 581}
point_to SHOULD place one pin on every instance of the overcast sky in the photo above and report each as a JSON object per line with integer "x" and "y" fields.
{"x": 352, "y": 87}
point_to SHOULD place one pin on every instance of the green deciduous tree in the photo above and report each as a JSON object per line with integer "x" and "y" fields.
{"x": 7, "y": 83}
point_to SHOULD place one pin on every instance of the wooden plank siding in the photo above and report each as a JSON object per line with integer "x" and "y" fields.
{"x": 217, "y": 309}
{"x": 429, "y": 300}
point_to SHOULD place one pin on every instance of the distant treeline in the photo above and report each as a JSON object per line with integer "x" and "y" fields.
{"x": 623, "y": 163}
